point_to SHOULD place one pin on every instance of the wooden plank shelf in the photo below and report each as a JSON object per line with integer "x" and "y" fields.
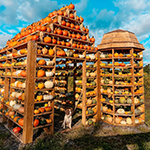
{"x": 138, "y": 114}
{"x": 107, "y": 103}
{"x": 22, "y": 66}
{"x": 122, "y": 76}
{"x": 91, "y": 105}
{"x": 44, "y": 113}
{"x": 13, "y": 121}
{"x": 18, "y": 77}
{"x": 103, "y": 59}
{"x": 18, "y": 136}
{"x": 42, "y": 126}
{"x": 125, "y": 115}
{"x": 45, "y": 56}
{"x": 123, "y": 85}
{"x": 39, "y": 66}
{"x": 45, "y": 89}
{"x": 106, "y": 84}
{"x": 109, "y": 113}
{"x": 71, "y": 29}
{"x": 17, "y": 88}
{"x": 106, "y": 67}
{"x": 19, "y": 56}
{"x": 123, "y": 104}
{"x": 44, "y": 78}
{"x": 123, "y": 58}
{"x": 123, "y": 95}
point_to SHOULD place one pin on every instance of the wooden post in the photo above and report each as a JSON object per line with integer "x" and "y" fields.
{"x": 98, "y": 88}
{"x": 6, "y": 93}
{"x": 113, "y": 80}
{"x": 132, "y": 89}
{"x": 29, "y": 93}
{"x": 84, "y": 91}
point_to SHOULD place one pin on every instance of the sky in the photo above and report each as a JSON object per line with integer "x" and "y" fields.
{"x": 101, "y": 16}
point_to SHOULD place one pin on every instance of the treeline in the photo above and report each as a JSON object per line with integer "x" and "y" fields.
{"x": 147, "y": 81}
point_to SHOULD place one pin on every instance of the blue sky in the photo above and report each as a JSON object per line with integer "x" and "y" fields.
{"x": 100, "y": 17}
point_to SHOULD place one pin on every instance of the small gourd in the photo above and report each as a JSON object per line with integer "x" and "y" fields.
{"x": 49, "y": 73}
{"x": 123, "y": 122}
{"x": 17, "y": 106}
{"x": 120, "y": 111}
{"x": 102, "y": 56}
{"x": 49, "y": 63}
{"x": 12, "y": 103}
{"x": 129, "y": 120}
{"x": 129, "y": 101}
{"x": 49, "y": 84}
{"x": 69, "y": 54}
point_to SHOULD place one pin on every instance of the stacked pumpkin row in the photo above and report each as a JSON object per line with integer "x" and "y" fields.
{"x": 113, "y": 88}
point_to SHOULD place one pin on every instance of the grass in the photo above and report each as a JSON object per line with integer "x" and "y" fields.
{"x": 84, "y": 139}
{"x": 3, "y": 137}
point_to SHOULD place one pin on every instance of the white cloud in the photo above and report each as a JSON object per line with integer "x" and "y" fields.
{"x": 81, "y": 5}
{"x": 4, "y": 38}
{"x": 12, "y": 31}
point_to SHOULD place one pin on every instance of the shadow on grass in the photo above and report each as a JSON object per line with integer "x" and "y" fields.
{"x": 93, "y": 141}
{"x": 118, "y": 142}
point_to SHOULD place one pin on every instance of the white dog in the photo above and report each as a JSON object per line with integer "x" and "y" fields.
{"x": 68, "y": 118}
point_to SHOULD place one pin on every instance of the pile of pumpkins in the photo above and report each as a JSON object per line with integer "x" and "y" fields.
{"x": 26, "y": 34}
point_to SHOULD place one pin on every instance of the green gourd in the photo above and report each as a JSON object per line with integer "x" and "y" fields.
{"x": 90, "y": 121}
{"x": 94, "y": 101}
{"x": 69, "y": 53}
{"x": 90, "y": 111}
{"x": 122, "y": 100}
{"x": 43, "y": 121}
{"x": 129, "y": 101}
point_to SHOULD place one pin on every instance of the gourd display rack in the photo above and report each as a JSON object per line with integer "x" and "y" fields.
{"x": 35, "y": 70}
{"x": 121, "y": 76}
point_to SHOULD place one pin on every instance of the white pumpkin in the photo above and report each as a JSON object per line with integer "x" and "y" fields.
{"x": 81, "y": 56}
{"x": 49, "y": 84}
{"x": 136, "y": 100}
{"x": 18, "y": 72}
{"x": 49, "y": 73}
{"x": 19, "y": 53}
{"x": 102, "y": 56}
{"x": 18, "y": 94}
{"x": 12, "y": 103}
{"x": 49, "y": 63}
{"x": 136, "y": 121}
{"x": 2, "y": 90}
{"x": 24, "y": 85}
{"x": 17, "y": 106}
{"x": 120, "y": 111}
{"x": 47, "y": 97}
{"x": 15, "y": 83}
{"x": 14, "y": 94}
{"x": 123, "y": 122}
{"x": 92, "y": 57}
{"x": 129, "y": 120}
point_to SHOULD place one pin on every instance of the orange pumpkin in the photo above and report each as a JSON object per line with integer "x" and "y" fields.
{"x": 42, "y": 62}
{"x": 41, "y": 73}
{"x": 21, "y": 121}
{"x": 51, "y": 52}
{"x": 47, "y": 39}
{"x": 36, "y": 123}
{"x": 23, "y": 73}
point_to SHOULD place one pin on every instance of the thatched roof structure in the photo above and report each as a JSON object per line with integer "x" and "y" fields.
{"x": 120, "y": 39}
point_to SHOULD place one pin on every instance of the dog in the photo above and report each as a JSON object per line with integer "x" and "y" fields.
{"x": 67, "y": 118}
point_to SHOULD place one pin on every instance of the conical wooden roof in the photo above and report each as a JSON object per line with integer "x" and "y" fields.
{"x": 120, "y": 39}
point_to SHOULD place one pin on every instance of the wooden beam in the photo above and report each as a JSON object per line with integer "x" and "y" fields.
{"x": 29, "y": 93}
